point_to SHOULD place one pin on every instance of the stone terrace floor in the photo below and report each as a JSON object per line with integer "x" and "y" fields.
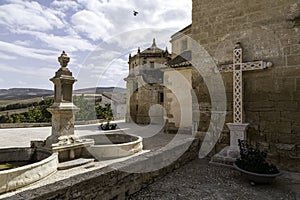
{"x": 201, "y": 180}
{"x": 196, "y": 180}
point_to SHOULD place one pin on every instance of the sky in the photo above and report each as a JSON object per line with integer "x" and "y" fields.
{"x": 97, "y": 35}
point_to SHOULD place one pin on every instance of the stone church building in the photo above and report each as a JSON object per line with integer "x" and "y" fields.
{"x": 268, "y": 32}
{"x": 145, "y": 85}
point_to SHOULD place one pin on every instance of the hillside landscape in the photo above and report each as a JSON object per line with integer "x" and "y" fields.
{"x": 30, "y": 104}
{"x": 16, "y": 94}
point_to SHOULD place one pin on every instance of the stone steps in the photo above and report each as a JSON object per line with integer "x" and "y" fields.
{"x": 74, "y": 163}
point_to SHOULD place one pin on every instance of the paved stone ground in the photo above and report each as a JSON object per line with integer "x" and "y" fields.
{"x": 21, "y": 137}
{"x": 201, "y": 180}
{"x": 196, "y": 180}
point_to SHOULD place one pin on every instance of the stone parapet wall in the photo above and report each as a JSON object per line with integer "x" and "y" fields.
{"x": 23, "y": 125}
{"x": 269, "y": 31}
{"x": 28, "y": 125}
{"x": 110, "y": 183}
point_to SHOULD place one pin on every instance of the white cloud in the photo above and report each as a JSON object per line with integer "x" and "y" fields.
{"x": 26, "y": 76}
{"x": 91, "y": 4}
{"x": 7, "y": 57}
{"x": 33, "y": 32}
{"x": 23, "y": 42}
{"x": 27, "y": 70}
{"x": 70, "y": 43}
{"x": 142, "y": 38}
{"x": 28, "y": 15}
{"x": 42, "y": 54}
{"x": 65, "y": 5}
{"x": 115, "y": 73}
{"x": 100, "y": 55}
{"x": 100, "y": 20}
{"x": 95, "y": 25}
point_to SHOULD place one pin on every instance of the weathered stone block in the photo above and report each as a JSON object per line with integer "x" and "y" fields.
{"x": 285, "y": 147}
{"x": 269, "y": 116}
{"x": 296, "y": 96}
{"x": 252, "y": 95}
{"x": 285, "y": 84}
{"x": 260, "y": 106}
{"x": 288, "y": 139}
{"x": 298, "y": 84}
{"x": 286, "y": 72}
{"x": 264, "y": 84}
{"x": 283, "y": 95}
{"x": 293, "y": 60}
{"x": 296, "y": 128}
{"x": 287, "y": 105}
{"x": 294, "y": 50}
{"x": 278, "y": 127}
{"x": 293, "y": 116}
{"x": 252, "y": 117}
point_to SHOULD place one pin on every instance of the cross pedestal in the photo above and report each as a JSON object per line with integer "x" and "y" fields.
{"x": 237, "y": 129}
{"x": 229, "y": 154}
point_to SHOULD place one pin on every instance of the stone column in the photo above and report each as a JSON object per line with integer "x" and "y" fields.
{"x": 129, "y": 92}
{"x": 63, "y": 109}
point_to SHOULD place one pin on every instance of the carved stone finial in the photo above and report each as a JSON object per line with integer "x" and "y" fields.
{"x": 269, "y": 64}
{"x": 139, "y": 50}
{"x": 153, "y": 44}
{"x": 63, "y": 59}
{"x": 237, "y": 45}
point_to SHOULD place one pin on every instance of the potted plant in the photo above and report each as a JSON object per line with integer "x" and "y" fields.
{"x": 107, "y": 126}
{"x": 253, "y": 164}
{"x": 108, "y": 116}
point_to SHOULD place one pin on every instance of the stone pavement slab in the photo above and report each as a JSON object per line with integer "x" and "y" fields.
{"x": 200, "y": 180}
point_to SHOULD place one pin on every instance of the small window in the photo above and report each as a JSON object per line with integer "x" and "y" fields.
{"x": 152, "y": 65}
{"x": 136, "y": 87}
{"x": 161, "y": 97}
{"x": 137, "y": 107}
{"x": 184, "y": 45}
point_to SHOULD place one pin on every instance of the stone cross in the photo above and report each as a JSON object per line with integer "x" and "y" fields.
{"x": 237, "y": 129}
{"x": 237, "y": 68}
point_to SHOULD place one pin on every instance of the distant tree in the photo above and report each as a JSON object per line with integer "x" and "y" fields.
{"x": 35, "y": 115}
{"x": 8, "y": 119}
{"x": 87, "y": 108}
{"x": 43, "y": 105}
{"x": 38, "y": 114}
{"x": 16, "y": 118}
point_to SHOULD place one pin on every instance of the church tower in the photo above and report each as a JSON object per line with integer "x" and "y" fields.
{"x": 144, "y": 85}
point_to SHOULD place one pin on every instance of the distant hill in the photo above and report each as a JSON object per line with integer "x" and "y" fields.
{"x": 29, "y": 93}
{"x": 100, "y": 90}
{"x": 23, "y": 93}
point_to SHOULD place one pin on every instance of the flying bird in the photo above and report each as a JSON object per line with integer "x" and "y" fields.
{"x": 135, "y": 13}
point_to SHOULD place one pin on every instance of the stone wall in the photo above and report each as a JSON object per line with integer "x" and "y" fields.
{"x": 270, "y": 31}
{"x": 28, "y": 125}
{"x": 110, "y": 183}
{"x": 178, "y": 98}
